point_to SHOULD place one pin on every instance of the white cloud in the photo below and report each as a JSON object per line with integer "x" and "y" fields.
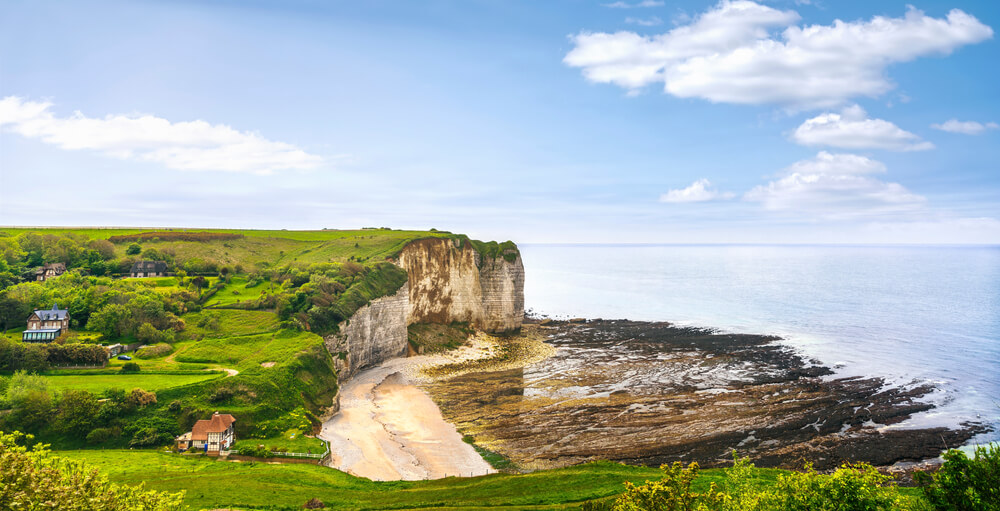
{"x": 965, "y": 127}
{"x": 699, "y": 191}
{"x": 626, "y": 5}
{"x": 194, "y": 145}
{"x": 644, "y": 22}
{"x": 836, "y": 186}
{"x": 852, "y": 129}
{"x": 729, "y": 55}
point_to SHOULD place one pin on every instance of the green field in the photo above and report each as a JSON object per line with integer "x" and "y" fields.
{"x": 229, "y": 322}
{"x": 292, "y": 440}
{"x": 262, "y": 485}
{"x": 98, "y": 383}
{"x": 235, "y": 292}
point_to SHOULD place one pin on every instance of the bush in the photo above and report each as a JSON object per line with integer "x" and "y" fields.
{"x": 851, "y": 487}
{"x": 130, "y": 367}
{"x": 257, "y": 451}
{"x": 964, "y": 484}
{"x": 100, "y": 435}
{"x": 133, "y": 249}
{"x": 34, "y": 479}
{"x": 154, "y": 351}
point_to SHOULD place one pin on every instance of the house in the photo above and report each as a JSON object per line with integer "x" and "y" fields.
{"x": 49, "y": 271}
{"x": 46, "y": 325}
{"x": 210, "y": 436}
{"x": 115, "y": 349}
{"x": 148, "y": 269}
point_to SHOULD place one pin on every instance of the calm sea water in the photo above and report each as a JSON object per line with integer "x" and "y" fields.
{"x": 908, "y": 314}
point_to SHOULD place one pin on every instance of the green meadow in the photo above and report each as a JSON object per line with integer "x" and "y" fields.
{"x": 97, "y": 383}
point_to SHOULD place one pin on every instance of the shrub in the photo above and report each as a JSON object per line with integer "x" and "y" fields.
{"x": 99, "y": 435}
{"x": 130, "y": 367}
{"x": 964, "y": 484}
{"x": 257, "y": 451}
{"x": 133, "y": 249}
{"x": 155, "y": 351}
{"x": 221, "y": 394}
{"x": 139, "y": 398}
{"x": 34, "y": 479}
{"x": 314, "y": 503}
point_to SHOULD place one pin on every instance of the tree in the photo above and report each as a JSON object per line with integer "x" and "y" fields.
{"x": 35, "y": 479}
{"x": 77, "y": 412}
{"x": 133, "y": 249}
{"x": 963, "y": 483}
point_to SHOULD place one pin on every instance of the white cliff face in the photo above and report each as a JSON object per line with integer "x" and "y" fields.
{"x": 445, "y": 284}
{"x": 375, "y": 333}
{"x": 449, "y": 284}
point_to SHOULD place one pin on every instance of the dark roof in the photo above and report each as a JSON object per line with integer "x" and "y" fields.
{"x": 58, "y": 267}
{"x": 149, "y": 266}
{"x": 55, "y": 313}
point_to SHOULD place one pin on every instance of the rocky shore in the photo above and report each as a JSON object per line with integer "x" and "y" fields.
{"x": 650, "y": 393}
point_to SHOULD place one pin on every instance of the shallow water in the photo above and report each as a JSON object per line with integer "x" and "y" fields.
{"x": 927, "y": 314}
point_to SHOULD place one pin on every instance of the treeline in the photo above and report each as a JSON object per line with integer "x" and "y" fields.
{"x": 114, "y": 307}
{"x": 16, "y": 356}
{"x": 317, "y": 297}
{"x": 33, "y": 407}
{"x": 21, "y": 255}
{"x": 174, "y": 236}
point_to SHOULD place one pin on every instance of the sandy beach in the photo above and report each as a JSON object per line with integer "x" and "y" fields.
{"x": 389, "y": 429}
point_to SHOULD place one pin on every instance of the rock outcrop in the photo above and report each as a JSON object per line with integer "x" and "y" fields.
{"x": 451, "y": 281}
{"x": 375, "y": 333}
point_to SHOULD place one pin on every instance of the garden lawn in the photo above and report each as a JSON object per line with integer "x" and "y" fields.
{"x": 290, "y": 441}
{"x": 98, "y": 383}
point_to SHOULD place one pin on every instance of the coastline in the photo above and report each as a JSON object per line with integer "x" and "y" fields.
{"x": 651, "y": 392}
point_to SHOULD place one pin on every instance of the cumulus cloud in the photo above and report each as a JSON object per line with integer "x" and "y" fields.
{"x": 852, "y": 129}
{"x": 965, "y": 127}
{"x": 644, "y": 22}
{"x": 699, "y": 191}
{"x": 835, "y": 186}
{"x": 194, "y": 145}
{"x": 728, "y": 54}
{"x": 626, "y": 5}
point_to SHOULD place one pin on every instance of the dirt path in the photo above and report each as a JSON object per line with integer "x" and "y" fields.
{"x": 390, "y": 429}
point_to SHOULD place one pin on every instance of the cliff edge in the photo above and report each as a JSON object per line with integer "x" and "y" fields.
{"x": 450, "y": 280}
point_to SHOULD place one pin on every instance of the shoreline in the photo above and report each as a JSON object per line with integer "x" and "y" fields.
{"x": 389, "y": 429}
{"x": 651, "y": 392}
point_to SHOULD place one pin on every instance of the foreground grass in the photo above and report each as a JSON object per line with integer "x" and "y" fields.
{"x": 288, "y": 486}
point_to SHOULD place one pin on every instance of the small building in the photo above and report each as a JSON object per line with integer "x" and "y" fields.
{"x": 210, "y": 436}
{"x": 142, "y": 269}
{"x": 49, "y": 271}
{"x": 46, "y": 325}
{"x": 115, "y": 349}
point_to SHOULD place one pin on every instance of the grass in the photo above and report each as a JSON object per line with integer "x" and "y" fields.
{"x": 231, "y": 322}
{"x": 97, "y": 383}
{"x": 292, "y": 440}
{"x": 235, "y": 292}
{"x": 248, "y": 351}
{"x": 288, "y": 486}
{"x": 435, "y": 338}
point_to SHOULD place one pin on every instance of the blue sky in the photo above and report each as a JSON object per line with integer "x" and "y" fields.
{"x": 558, "y": 121}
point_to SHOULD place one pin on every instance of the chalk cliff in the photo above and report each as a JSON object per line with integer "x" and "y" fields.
{"x": 375, "y": 333}
{"x": 450, "y": 281}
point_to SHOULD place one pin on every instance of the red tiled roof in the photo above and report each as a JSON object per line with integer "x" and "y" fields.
{"x": 217, "y": 424}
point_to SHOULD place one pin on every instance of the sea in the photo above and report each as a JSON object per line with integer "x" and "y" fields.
{"x": 908, "y": 314}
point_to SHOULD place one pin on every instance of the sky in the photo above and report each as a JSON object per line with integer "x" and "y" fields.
{"x": 563, "y": 121}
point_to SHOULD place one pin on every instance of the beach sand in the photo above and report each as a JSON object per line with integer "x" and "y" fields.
{"x": 389, "y": 429}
